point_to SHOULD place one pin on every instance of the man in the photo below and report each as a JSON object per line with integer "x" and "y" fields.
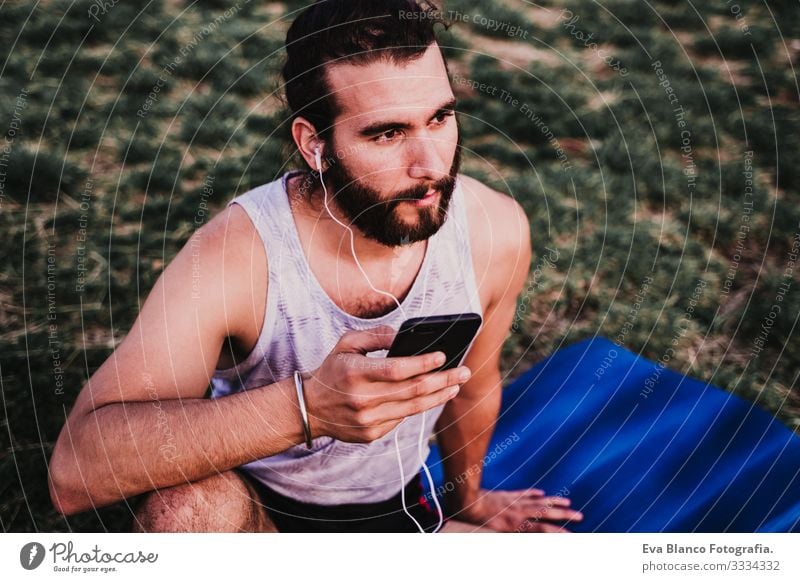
{"x": 284, "y": 287}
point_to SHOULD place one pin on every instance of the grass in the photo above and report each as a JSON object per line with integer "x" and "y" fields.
{"x": 83, "y": 160}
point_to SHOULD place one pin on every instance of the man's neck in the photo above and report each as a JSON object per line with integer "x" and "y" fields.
{"x": 333, "y": 235}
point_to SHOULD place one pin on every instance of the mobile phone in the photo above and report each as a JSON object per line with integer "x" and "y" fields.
{"x": 452, "y": 334}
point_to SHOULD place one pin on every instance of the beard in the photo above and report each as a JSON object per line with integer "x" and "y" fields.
{"x": 375, "y": 214}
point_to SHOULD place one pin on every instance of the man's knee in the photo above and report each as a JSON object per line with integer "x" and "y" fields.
{"x": 221, "y": 503}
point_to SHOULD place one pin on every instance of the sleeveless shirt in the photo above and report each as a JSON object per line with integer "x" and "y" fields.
{"x": 301, "y": 326}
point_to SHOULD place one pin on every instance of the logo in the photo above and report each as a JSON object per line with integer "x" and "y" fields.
{"x": 31, "y": 555}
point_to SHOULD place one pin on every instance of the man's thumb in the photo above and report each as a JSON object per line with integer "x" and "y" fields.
{"x": 367, "y": 340}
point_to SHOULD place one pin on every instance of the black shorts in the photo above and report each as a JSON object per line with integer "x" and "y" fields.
{"x": 290, "y": 515}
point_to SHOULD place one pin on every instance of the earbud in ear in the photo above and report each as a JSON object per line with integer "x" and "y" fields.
{"x": 318, "y": 158}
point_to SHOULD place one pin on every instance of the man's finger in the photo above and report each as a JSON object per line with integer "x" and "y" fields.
{"x": 553, "y": 513}
{"x": 368, "y": 340}
{"x": 402, "y": 368}
{"x": 551, "y": 501}
{"x": 396, "y": 410}
{"x": 527, "y": 492}
{"x": 425, "y": 384}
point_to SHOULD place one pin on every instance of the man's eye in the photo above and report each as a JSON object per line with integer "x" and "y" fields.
{"x": 386, "y": 136}
{"x": 442, "y": 117}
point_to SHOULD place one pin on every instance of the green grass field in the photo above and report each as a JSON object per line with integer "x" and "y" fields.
{"x": 654, "y": 145}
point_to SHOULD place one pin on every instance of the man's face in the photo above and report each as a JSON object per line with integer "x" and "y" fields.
{"x": 394, "y": 142}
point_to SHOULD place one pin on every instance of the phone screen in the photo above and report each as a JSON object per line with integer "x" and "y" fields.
{"x": 452, "y": 334}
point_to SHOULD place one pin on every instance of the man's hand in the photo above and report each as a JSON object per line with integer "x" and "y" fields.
{"x": 522, "y": 511}
{"x": 358, "y": 399}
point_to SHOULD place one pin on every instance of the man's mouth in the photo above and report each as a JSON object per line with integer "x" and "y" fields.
{"x": 429, "y": 198}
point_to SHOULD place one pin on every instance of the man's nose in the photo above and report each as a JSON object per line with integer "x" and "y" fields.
{"x": 424, "y": 159}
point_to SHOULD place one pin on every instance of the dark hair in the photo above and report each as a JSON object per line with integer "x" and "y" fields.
{"x": 353, "y": 31}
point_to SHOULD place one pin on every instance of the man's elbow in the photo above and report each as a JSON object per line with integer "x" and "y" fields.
{"x": 58, "y": 495}
{"x": 59, "y": 492}
{"x": 63, "y": 490}
{"x": 67, "y": 491}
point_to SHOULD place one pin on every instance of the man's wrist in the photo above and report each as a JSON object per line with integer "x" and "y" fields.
{"x": 301, "y": 400}
{"x": 294, "y": 428}
{"x": 311, "y": 392}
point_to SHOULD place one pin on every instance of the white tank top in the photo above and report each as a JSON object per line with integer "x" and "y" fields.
{"x": 302, "y": 325}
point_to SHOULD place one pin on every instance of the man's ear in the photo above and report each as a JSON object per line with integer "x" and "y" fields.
{"x": 305, "y": 138}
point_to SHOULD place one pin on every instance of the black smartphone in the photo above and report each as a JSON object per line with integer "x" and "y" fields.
{"x": 452, "y": 334}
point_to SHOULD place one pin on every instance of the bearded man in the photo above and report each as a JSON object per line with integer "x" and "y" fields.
{"x": 314, "y": 273}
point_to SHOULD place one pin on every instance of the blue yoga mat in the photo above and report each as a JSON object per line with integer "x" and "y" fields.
{"x": 640, "y": 448}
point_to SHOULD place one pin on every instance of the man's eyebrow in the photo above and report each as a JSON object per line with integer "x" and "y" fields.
{"x": 379, "y": 127}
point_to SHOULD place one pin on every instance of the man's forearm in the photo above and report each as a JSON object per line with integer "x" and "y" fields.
{"x": 464, "y": 430}
{"x": 120, "y": 450}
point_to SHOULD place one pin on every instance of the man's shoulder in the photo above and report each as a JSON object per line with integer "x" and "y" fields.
{"x": 230, "y": 233}
{"x": 495, "y": 215}
{"x": 229, "y": 262}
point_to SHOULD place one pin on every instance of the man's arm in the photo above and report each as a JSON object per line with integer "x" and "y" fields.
{"x": 141, "y": 421}
{"x": 467, "y": 422}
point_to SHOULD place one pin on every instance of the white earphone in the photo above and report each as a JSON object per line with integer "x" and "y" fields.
{"x": 318, "y": 160}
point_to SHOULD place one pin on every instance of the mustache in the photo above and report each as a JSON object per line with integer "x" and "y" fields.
{"x": 418, "y": 192}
